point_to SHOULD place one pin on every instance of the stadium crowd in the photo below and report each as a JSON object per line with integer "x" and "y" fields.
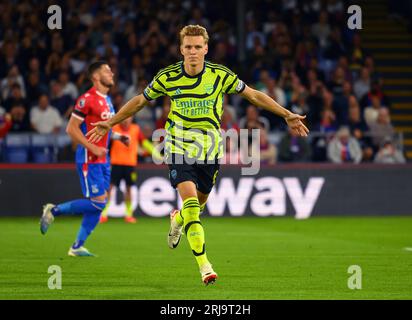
{"x": 301, "y": 53}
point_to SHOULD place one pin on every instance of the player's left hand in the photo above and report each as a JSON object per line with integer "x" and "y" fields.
{"x": 99, "y": 131}
{"x": 125, "y": 140}
{"x": 294, "y": 122}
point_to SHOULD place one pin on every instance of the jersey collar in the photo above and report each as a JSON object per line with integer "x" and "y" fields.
{"x": 94, "y": 90}
{"x": 196, "y": 75}
{"x": 101, "y": 94}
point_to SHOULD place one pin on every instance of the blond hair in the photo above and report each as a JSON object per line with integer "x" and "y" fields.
{"x": 193, "y": 30}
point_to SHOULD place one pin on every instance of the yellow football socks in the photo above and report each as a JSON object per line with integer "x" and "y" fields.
{"x": 193, "y": 229}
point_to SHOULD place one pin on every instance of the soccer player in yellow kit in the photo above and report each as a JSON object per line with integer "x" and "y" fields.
{"x": 196, "y": 88}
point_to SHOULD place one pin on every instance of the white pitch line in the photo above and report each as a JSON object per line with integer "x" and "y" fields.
{"x": 408, "y": 249}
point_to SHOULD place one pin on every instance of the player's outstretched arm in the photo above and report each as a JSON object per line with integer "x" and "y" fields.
{"x": 131, "y": 107}
{"x": 262, "y": 100}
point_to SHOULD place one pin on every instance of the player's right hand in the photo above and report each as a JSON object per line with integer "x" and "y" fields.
{"x": 98, "y": 132}
{"x": 294, "y": 122}
{"x": 98, "y": 151}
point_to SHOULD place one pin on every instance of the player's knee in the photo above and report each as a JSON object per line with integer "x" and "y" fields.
{"x": 99, "y": 204}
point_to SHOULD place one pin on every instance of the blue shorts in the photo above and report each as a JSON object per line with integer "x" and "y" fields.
{"x": 94, "y": 178}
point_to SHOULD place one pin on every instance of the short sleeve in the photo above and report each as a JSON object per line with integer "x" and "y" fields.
{"x": 154, "y": 90}
{"x": 233, "y": 84}
{"x": 81, "y": 108}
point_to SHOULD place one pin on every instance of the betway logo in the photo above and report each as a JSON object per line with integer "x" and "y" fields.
{"x": 270, "y": 198}
{"x": 194, "y": 103}
{"x": 266, "y": 196}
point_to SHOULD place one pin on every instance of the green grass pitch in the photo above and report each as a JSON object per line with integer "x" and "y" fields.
{"x": 255, "y": 258}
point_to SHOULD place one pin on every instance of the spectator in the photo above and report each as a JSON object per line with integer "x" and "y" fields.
{"x": 61, "y": 101}
{"x": 20, "y": 118}
{"x": 252, "y": 120}
{"x": 6, "y": 85}
{"x": 359, "y": 129}
{"x": 15, "y": 98}
{"x": 197, "y": 18}
{"x": 274, "y": 91}
{"x": 341, "y": 103}
{"x": 335, "y": 7}
{"x": 118, "y": 101}
{"x": 375, "y": 91}
{"x": 363, "y": 84}
{"x": 9, "y": 57}
{"x": 371, "y": 112}
{"x": 382, "y": 128}
{"x": 370, "y": 65}
{"x": 261, "y": 79}
{"x": 357, "y": 53}
{"x": 322, "y": 30}
{"x": 254, "y": 37}
{"x": 315, "y": 102}
{"x": 344, "y": 148}
{"x": 153, "y": 31}
{"x": 35, "y": 67}
{"x": 343, "y": 63}
{"x": 34, "y": 87}
{"x": 133, "y": 90}
{"x": 53, "y": 65}
{"x": 293, "y": 148}
{"x": 355, "y": 121}
{"x": 107, "y": 48}
{"x": 44, "y": 118}
{"x": 137, "y": 71}
{"x": 221, "y": 53}
{"x": 326, "y": 127}
{"x": 129, "y": 52}
{"x": 79, "y": 60}
{"x": 299, "y": 104}
{"x": 336, "y": 85}
{"x": 69, "y": 87}
{"x": 328, "y": 120}
{"x": 389, "y": 154}
{"x": 336, "y": 47}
